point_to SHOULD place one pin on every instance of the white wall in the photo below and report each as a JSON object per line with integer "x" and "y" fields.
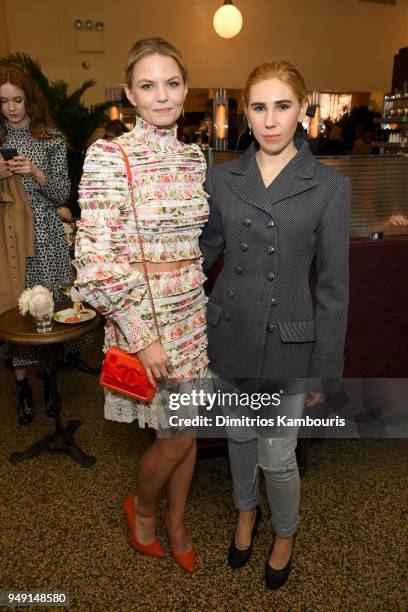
{"x": 4, "y": 45}
{"x": 342, "y": 45}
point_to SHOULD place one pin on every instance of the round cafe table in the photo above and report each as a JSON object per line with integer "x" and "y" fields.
{"x": 19, "y": 330}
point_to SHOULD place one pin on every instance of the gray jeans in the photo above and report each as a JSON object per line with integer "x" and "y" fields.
{"x": 249, "y": 449}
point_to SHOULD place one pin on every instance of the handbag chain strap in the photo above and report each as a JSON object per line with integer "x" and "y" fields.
{"x": 132, "y": 198}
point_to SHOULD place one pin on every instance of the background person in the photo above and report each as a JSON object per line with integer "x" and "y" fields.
{"x": 41, "y": 163}
{"x": 114, "y": 128}
{"x": 362, "y": 144}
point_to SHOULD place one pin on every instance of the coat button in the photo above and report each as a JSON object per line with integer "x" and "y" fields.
{"x": 273, "y": 302}
{"x": 227, "y": 316}
{"x": 270, "y": 250}
{"x": 244, "y": 246}
{"x": 247, "y": 222}
{"x": 270, "y": 276}
{"x": 270, "y": 328}
{"x": 230, "y": 294}
{"x": 238, "y": 270}
{"x": 270, "y": 223}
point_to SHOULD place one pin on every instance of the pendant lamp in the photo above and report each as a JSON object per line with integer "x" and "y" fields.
{"x": 227, "y": 20}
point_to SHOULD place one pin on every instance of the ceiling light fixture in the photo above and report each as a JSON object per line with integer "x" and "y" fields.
{"x": 227, "y": 20}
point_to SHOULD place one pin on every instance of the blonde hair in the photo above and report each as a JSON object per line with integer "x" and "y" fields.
{"x": 284, "y": 71}
{"x": 149, "y": 46}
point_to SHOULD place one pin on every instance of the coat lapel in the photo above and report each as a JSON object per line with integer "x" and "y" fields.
{"x": 245, "y": 178}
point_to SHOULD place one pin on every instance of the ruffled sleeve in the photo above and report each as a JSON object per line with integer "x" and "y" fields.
{"x": 104, "y": 275}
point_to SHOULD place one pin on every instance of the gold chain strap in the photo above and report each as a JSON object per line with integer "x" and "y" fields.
{"x": 132, "y": 196}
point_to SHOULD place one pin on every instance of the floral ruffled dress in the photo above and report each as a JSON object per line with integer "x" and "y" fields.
{"x": 172, "y": 209}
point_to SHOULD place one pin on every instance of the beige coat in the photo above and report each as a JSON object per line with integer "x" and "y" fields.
{"x": 16, "y": 240}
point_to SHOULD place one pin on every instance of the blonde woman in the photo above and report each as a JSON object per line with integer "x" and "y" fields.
{"x": 172, "y": 209}
{"x": 273, "y": 211}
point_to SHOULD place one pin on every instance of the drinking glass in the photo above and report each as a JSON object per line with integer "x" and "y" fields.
{"x": 42, "y": 321}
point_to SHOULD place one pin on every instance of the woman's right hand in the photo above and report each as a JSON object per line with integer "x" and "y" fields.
{"x": 154, "y": 359}
{"x": 4, "y": 169}
{"x": 398, "y": 220}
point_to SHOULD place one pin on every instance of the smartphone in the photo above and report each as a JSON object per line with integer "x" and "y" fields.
{"x": 8, "y": 154}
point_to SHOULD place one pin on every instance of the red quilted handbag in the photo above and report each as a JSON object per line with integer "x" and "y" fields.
{"x": 125, "y": 374}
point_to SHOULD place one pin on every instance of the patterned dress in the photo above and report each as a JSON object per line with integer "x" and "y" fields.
{"x": 172, "y": 209}
{"x": 51, "y": 264}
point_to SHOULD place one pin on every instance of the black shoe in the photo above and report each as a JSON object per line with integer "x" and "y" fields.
{"x": 236, "y": 557}
{"x": 48, "y": 401}
{"x": 276, "y": 578}
{"x": 25, "y": 406}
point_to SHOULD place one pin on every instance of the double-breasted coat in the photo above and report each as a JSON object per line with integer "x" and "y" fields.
{"x": 262, "y": 321}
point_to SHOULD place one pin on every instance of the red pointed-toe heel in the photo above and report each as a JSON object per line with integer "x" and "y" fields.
{"x": 154, "y": 549}
{"x": 186, "y": 560}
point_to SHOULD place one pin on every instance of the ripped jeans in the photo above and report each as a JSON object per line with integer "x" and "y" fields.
{"x": 249, "y": 450}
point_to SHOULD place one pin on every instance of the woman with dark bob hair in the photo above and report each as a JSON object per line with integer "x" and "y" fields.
{"x": 41, "y": 164}
{"x": 272, "y": 212}
{"x": 167, "y": 180}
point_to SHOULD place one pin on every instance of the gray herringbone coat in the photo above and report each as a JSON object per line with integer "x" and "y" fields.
{"x": 262, "y": 322}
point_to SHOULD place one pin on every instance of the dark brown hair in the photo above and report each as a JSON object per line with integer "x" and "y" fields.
{"x": 114, "y": 128}
{"x": 41, "y": 125}
{"x": 149, "y": 46}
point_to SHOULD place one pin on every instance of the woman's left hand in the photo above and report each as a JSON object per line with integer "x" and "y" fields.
{"x": 314, "y": 398}
{"x": 22, "y": 165}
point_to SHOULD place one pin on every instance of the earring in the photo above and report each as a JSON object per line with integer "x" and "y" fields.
{"x": 183, "y": 113}
{"x": 250, "y": 129}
